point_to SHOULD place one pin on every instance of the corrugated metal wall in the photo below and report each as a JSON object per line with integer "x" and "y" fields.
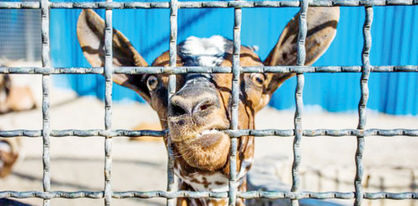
{"x": 20, "y": 34}
{"x": 394, "y": 33}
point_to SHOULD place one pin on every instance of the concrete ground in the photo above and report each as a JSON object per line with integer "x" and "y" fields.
{"x": 327, "y": 162}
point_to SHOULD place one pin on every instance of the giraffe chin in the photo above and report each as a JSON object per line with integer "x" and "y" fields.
{"x": 207, "y": 151}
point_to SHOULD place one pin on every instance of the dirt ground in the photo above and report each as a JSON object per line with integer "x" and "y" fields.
{"x": 327, "y": 162}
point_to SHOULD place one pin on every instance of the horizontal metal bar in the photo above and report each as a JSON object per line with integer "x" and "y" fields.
{"x": 117, "y": 195}
{"x": 184, "y": 70}
{"x": 52, "y": 194}
{"x": 233, "y": 133}
{"x": 192, "y": 194}
{"x": 83, "y": 133}
{"x": 201, "y": 4}
{"x": 326, "y": 195}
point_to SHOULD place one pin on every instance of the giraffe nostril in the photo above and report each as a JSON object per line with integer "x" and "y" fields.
{"x": 204, "y": 106}
{"x": 177, "y": 110}
{"x": 192, "y": 101}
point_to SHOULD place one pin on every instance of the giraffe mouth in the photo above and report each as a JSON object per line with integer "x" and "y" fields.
{"x": 208, "y": 150}
{"x": 208, "y": 137}
{"x": 199, "y": 139}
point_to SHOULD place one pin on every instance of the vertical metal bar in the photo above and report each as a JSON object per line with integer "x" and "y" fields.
{"x": 234, "y": 108}
{"x": 108, "y": 71}
{"x": 362, "y": 104}
{"x": 171, "y": 186}
{"x": 46, "y": 81}
{"x": 29, "y": 43}
{"x": 299, "y": 100}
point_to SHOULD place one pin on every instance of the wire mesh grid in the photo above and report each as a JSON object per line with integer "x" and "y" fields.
{"x": 170, "y": 194}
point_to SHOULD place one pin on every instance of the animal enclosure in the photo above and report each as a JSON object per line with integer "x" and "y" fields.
{"x": 295, "y": 194}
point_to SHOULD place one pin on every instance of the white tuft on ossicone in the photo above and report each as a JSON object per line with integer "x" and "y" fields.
{"x": 203, "y": 51}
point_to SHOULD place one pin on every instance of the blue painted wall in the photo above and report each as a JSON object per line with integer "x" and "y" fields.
{"x": 394, "y": 33}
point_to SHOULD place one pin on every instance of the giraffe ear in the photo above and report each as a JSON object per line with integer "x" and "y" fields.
{"x": 322, "y": 26}
{"x": 90, "y": 33}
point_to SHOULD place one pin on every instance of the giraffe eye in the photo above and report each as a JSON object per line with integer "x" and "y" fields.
{"x": 152, "y": 82}
{"x": 257, "y": 78}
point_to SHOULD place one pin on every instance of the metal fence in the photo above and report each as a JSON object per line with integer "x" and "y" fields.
{"x": 170, "y": 194}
